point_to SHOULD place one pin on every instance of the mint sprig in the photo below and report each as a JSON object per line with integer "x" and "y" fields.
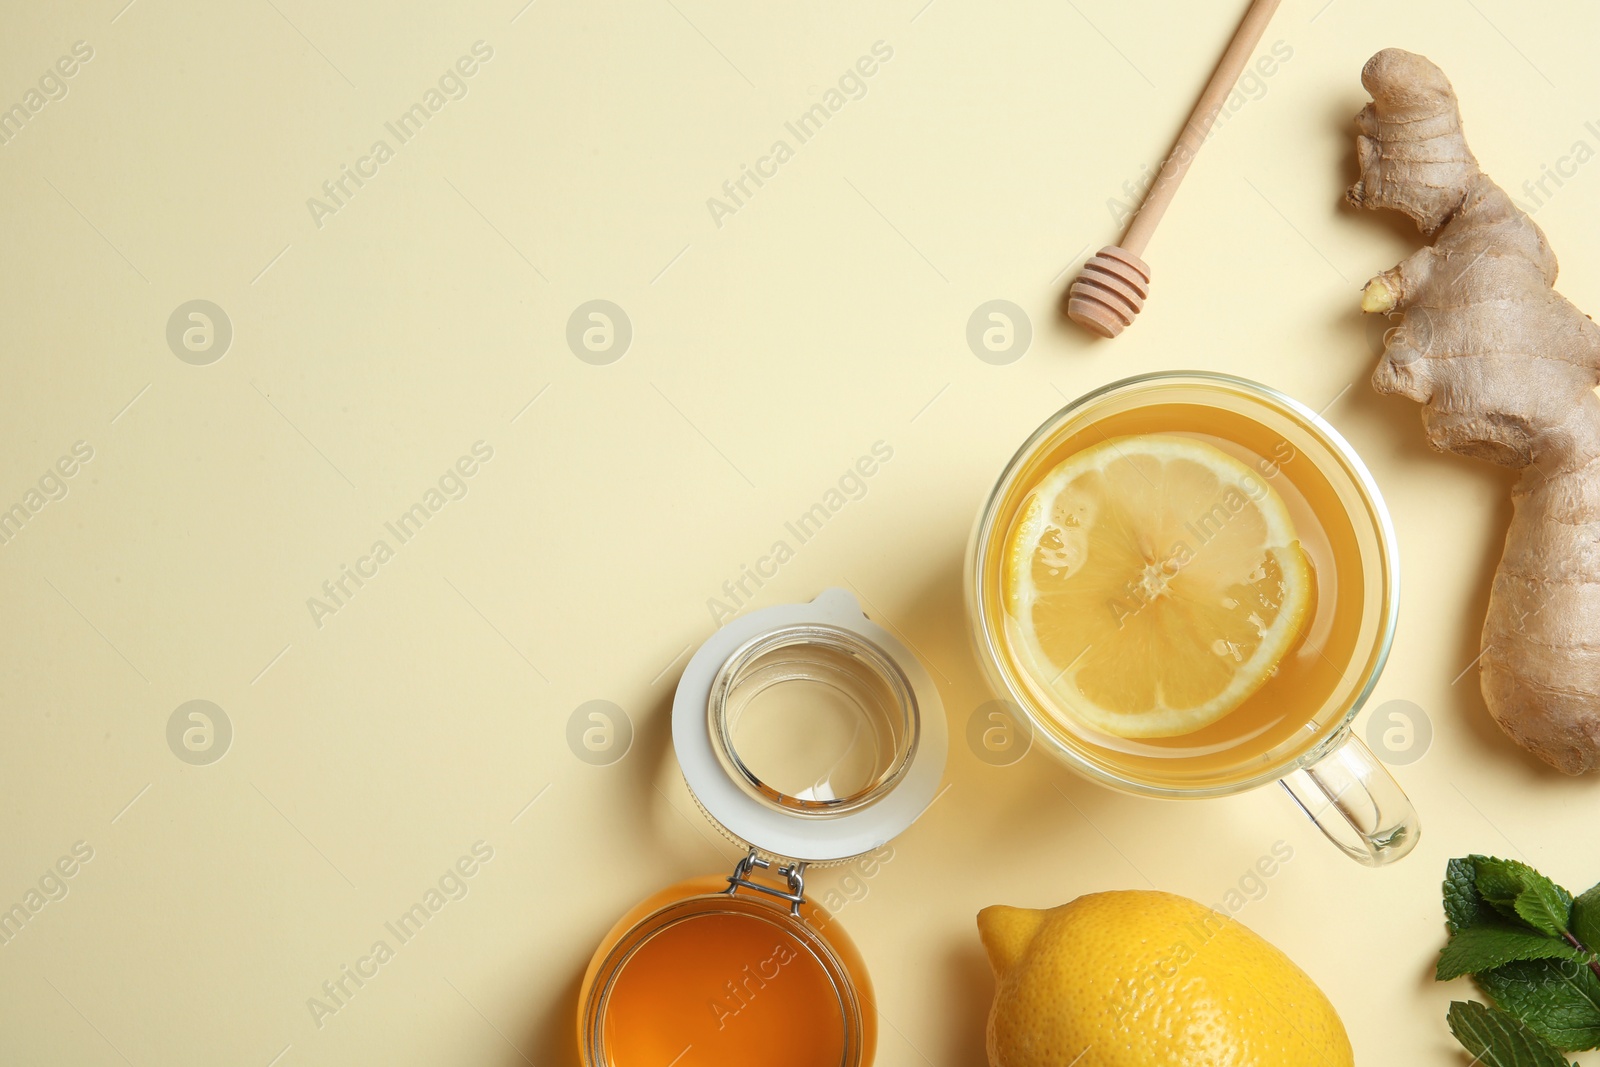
{"x": 1518, "y": 891}
{"x": 1498, "y": 1039}
{"x": 1560, "y": 1000}
{"x": 1463, "y": 904}
{"x": 1494, "y": 942}
{"x": 1530, "y": 947}
{"x": 1586, "y": 918}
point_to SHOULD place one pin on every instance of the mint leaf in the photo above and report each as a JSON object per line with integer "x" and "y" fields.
{"x": 1517, "y": 891}
{"x": 1586, "y": 919}
{"x": 1547, "y": 908}
{"x": 1495, "y": 941}
{"x": 1463, "y": 904}
{"x": 1496, "y": 1039}
{"x": 1558, "y": 999}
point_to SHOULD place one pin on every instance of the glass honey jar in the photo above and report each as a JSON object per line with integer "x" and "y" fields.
{"x": 811, "y": 737}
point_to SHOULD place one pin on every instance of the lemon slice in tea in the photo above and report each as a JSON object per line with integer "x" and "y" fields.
{"x": 1155, "y": 583}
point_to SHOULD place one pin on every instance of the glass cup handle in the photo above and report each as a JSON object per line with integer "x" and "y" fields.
{"x": 1357, "y": 804}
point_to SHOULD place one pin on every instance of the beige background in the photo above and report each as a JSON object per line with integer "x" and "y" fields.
{"x": 768, "y": 354}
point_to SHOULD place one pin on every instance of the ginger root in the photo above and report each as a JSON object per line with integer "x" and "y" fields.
{"x": 1505, "y": 369}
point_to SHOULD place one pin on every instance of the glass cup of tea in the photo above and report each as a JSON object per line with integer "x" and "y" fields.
{"x": 1335, "y": 620}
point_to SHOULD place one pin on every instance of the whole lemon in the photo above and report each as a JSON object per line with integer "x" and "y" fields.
{"x": 1147, "y": 979}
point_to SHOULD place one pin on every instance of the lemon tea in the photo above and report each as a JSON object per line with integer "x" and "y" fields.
{"x": 1342, "y": 639}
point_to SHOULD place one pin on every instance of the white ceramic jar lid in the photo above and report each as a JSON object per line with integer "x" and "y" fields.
{"x": 813, "y": 827}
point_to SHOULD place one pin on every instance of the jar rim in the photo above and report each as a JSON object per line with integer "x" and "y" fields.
{"x": 784, "y": 832}
{"x": 883, "y": 667}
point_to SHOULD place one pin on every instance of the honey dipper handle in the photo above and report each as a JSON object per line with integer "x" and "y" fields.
{"x": 1194, "y": 132}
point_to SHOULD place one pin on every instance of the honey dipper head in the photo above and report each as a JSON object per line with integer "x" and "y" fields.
{"x": 1109, "y": 292}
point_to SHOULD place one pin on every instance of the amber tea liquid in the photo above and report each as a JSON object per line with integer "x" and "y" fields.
{"x": 1283, "y": 713}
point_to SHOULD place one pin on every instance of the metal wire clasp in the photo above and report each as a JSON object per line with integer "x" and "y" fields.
{"x": 794, "y": 874}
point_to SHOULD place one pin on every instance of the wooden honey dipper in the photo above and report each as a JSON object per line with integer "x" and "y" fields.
{"x": 1111, "y": 290}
